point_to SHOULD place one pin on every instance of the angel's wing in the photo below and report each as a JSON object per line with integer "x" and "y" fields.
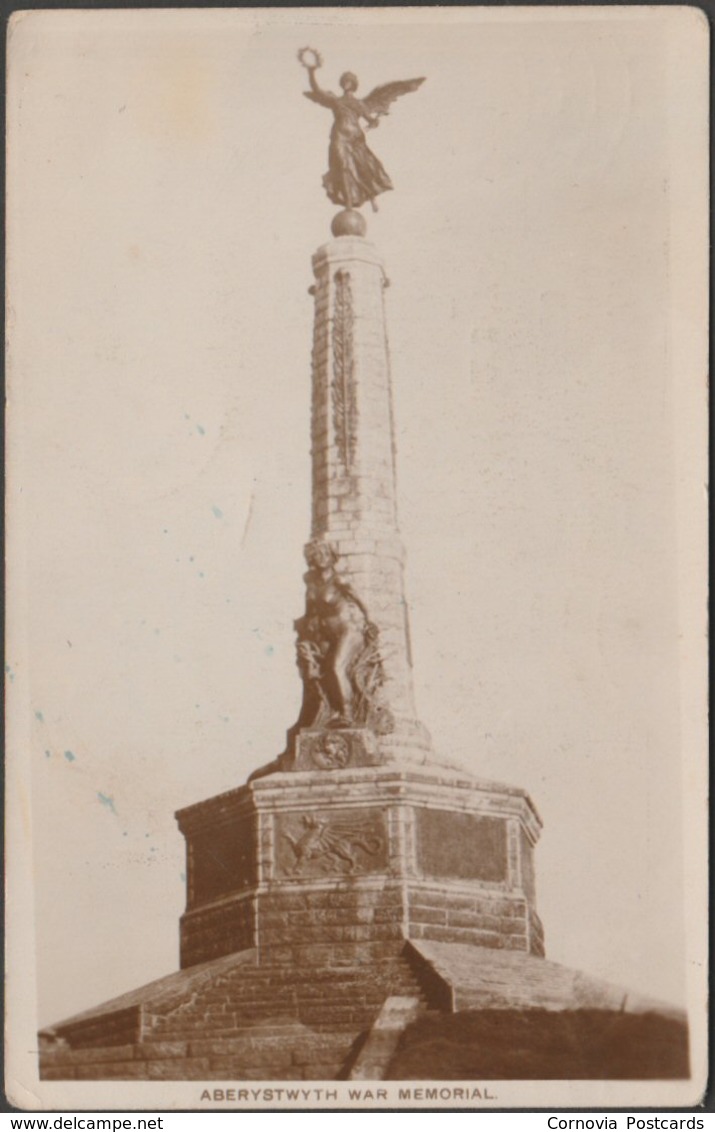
{"x": 381, "y": 98}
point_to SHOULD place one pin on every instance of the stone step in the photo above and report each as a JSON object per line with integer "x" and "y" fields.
{"x": 256, "y": 1023}
{"x": 252, "y": 994}
{"x": 318, "y": 1019}
{"x": 341, "y": 1027}
{"x": 345, "y": 996}
{"x": 262, "y": 1033}
{"x": 305, "y": 984}
{"x": 258, "y": 1011}
{"x": 345, "y": 1019}
{"x": 249, "y": 999}
{"x": 279, "y": 972}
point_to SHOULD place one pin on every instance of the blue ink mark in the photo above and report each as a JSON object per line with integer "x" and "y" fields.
{"x": 183, "y": 877}
{"x": 10, "y": 672}
{"x": 187, "y": 417}
{"x": 47, "y": 754}
{"x": 70, "y": 757}
{"x": 106, "y": 801}
{"x": 225, "y": 718}
{"x": 201, "y": 573}
{"x": 269, "y": 650}
{"x": 200, "y": 430}
{"x": 217, "y": 512}
{"x": 157, "y": 632}
{"x": 40, "y": 716}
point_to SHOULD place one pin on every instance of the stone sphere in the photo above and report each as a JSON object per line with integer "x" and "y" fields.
{"x": 349, "y": 223}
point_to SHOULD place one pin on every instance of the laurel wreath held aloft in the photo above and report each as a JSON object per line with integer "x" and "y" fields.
{"x": 310, "y": 58}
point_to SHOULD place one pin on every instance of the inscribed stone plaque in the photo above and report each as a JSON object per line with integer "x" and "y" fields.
{"x": 461, "y": 845}
{"x": 222, "y": 860}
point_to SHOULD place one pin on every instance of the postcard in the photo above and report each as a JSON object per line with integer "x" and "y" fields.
{"x": 357, "y": 481}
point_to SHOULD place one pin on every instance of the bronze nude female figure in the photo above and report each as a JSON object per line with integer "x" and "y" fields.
{"x": 355, "y": 175}
{"x": 332, "y": 632}
{"x": 340, "y": 661}
{"x": 338, "y": 650}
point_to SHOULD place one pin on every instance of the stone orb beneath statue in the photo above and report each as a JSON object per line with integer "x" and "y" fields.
{"x": 349, "y": 222}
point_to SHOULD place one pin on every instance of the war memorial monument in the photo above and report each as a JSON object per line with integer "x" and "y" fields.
{"x": 361, "y": 909}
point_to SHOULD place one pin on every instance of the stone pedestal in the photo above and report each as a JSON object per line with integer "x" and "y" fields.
{"x": 337, "y": 867}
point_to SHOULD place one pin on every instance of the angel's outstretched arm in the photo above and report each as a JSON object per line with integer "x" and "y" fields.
{"x": 316, "y": 92}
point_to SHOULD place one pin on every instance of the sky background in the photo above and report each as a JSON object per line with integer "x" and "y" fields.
{"x": 165, "y": 200}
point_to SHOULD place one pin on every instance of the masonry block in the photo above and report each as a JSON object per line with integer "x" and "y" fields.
{"x": 331, "y": 866}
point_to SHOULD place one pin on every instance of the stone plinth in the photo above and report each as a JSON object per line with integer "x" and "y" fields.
{"x": 340, "y": 866}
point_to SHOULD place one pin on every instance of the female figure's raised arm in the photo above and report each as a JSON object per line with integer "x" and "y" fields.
{"x": 311, "y": 61}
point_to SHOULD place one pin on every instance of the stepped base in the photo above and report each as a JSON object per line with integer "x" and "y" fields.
{"x": 234, "y": 1019}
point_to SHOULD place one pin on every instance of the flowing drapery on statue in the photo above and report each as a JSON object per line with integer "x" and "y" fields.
{"x": 355, "y": 175}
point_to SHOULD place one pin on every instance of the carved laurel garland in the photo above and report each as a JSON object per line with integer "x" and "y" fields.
{"x": 319, "y": 422}
{"x": 343, "y": 385}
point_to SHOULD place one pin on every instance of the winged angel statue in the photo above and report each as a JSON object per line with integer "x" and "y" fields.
{"x": 354, "y": 173}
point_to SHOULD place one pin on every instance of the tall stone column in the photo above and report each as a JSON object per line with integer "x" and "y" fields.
{"x": 354, "y": 645}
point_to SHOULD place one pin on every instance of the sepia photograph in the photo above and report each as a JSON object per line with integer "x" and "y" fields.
{"x": 357, "y": 524}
